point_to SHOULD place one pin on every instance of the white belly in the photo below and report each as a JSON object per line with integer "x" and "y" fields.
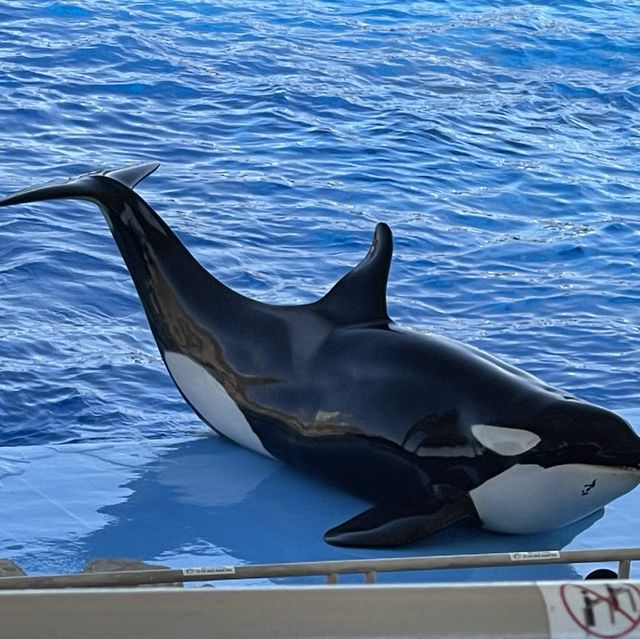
{"x": 529, "y": 498}
{"x": 212, "y": 401}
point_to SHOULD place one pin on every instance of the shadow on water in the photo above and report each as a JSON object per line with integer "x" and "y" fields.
{"x": 211, "y": 501}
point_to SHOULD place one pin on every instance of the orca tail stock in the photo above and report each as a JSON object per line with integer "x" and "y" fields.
{"x": 83, "y": 186}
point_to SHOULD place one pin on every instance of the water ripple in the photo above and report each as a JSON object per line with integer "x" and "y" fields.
{"x": 500, "y": 140}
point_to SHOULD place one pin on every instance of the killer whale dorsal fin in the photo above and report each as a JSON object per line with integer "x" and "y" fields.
{"x": 360, "y": 296}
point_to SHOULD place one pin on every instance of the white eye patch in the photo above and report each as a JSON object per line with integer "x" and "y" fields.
{"x": 505, "y": 441}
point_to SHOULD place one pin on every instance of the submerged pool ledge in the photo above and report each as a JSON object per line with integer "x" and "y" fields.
{"x": 201, "y": 500}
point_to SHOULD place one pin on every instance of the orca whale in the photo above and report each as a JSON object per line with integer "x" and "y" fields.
{"x": 431, "y": 431}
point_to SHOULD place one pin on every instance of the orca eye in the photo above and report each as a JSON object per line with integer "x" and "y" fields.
{"x": 505, "y": 441}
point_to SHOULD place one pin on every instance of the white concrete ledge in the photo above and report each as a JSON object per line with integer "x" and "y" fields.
{"x": 456, "y": 610}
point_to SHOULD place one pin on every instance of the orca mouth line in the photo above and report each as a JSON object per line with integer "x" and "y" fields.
{"x": 621, "y": 468}
{"x": 627, "y": 461}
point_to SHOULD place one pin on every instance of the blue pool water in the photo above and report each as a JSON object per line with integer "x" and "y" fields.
{"x": 500, "y": 140}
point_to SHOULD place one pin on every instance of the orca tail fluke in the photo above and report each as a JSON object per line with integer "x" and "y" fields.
{"x": 81, "y": 187}
{"x": 132, "y": 175}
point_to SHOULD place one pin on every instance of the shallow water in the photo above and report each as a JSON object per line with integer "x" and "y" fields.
{"x": 500, "y": 141}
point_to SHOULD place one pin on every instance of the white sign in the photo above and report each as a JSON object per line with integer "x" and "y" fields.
{"x": 539, "y": 555}
{"x": 587, "y": 609}
{"x": 209, "y": 572}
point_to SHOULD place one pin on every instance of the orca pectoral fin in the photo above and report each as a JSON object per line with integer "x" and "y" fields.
{"x": 387, "y": 525}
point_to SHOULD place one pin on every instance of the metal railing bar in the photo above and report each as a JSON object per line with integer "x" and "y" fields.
{"x": 319, "y": 568}
{"x": 624, "y": 569}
